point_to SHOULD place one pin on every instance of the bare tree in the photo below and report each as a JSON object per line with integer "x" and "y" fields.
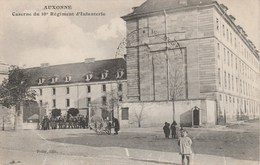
{"x": 176, "y": 82}
{"x": 139, "y": 114}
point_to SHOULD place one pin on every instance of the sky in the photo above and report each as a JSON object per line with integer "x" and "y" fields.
{"x": 28, "y": 41}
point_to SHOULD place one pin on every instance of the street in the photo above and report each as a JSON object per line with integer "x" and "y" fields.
{"x": 235, "y": 144}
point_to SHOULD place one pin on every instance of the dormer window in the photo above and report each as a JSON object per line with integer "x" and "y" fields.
{"x": 119, "y": 73}
{"x": 89, "y": 76}
{"x": 54, "y": 79}
{"x": 67, "y": 78}
{"x": 41, "y": 80}
{"x": 104, "y": 74}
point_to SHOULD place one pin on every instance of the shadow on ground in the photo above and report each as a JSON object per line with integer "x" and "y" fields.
{"x": 238, "y": 145}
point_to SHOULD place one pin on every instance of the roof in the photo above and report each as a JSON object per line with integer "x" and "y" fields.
{"x": 78, "y": 72}
{"x": 150, "y": 6}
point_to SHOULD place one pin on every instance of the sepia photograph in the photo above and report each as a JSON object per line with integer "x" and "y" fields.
{"x": 122, "y": 82}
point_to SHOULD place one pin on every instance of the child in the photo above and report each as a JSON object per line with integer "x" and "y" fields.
{"x": 185, "y": 147}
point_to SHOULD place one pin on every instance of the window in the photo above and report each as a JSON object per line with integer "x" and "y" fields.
{"x": 104, "y": 100}
{"x": 229, "y": 81}
{"x": 241, "y": 86}
{"x": 235, "y": 42}
{"x": 218, "y": 47}
{"x": 237, "y": 84}
{"x": 68, "y": 90}
{"x": 53, "y": 91}
{"x": 40, "y": 92}
{"x": 120, "y": 98}
{"x": 89, "y": 76}
{"x": 228, "y": 57}
{"x": 219, "y": 77}
{"x": 223, "y": 28}
{"x": 54, "y": 79}
{"x": 231, "y": 62}
{"x": 230, "y": 37}
{"x": 236, "y": 63}
{"x": 217, "y": 23}
{"x": 225, "y": 79}
{"x": 227, "y": 35}
{"x": 119, "y": 87}
{"x": 53, "y": 103}
{"x": 104, "y": 74}
{"x": 224, "y": 54}
{"x": 41, "y": 80}
{"x": 232, "y": 83}
{"x": 40, "y": 102}
{"x": 88, "y": 101}
{"x": 125, "y": 114}
{"x": 119, "y": 73}
{"x": 67, "y": 78}
{"x": 220, "y": 97}
{"x": 89, "y": 88}
{"x": 67, "y": 102}
{"x": 104, "y": 88}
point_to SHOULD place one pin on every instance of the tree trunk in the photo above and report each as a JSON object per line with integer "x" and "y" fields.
{"x": 15, "y": 118}
{"x": 139, "y": 124}
{"x": 173, "y": 110}
{"x": 18, "y": 116}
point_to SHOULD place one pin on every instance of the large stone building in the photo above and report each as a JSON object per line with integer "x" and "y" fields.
{"x": 93, "y": 87}
{"x": 6, "y": 115}
{"x": 198, "y": 43}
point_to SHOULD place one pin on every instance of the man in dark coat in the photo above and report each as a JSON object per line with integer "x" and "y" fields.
{"x": 166, "y": 130}
{"x": 117, "y": 126}
{"x": 173, "y": 129}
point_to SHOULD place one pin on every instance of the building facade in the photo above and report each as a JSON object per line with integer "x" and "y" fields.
{"x": 92, "y": 87}
{"x": 197, "y": 43}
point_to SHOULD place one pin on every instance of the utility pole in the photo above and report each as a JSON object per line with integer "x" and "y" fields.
{"x": 167, "y": 53}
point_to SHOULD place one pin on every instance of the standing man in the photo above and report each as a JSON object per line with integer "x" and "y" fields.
{"x": 117, "y": 126}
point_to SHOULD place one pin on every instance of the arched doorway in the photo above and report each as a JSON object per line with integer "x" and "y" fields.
{"x": 196, "y": 116}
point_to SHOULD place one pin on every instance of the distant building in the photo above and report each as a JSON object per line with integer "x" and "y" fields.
{"x": 218, "y": 63}
{"x": 6, "y": 114}
{"x": 93, "y": 87}
{"x": 3, "y": 70}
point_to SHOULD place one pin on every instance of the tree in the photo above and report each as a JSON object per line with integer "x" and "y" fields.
{"x": 176, "y": 81}
{"x": 139, "y": 115}
{"x": 15, "y": 90}
{"x": 56, "y": 112}
{"x": 73, "y": 111}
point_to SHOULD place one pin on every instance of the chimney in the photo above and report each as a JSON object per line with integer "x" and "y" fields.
{"x": 225, "y": 8}
{"x": 44, "y": 65}
{"x": 89, "y": 60}
{"x": 183, "y": 2}
{"x": 232, "y": 18}
{"x": 134, "y": 8}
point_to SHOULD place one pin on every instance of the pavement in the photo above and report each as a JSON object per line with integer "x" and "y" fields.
{"x": 32, "y": 147}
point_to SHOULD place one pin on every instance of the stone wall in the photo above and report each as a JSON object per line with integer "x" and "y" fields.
{"x": 156, "y": 113}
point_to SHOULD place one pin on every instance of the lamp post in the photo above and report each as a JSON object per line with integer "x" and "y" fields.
{"x": 3, "y": 128}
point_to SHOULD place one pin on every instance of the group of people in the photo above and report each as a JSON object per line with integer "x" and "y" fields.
{"x": 104, "y": 126}
{"x": 79, "y": 121}
{"x": 184, "y": 142}
{"x": 167, "y": 128}
{"x": 63, "y": 122}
